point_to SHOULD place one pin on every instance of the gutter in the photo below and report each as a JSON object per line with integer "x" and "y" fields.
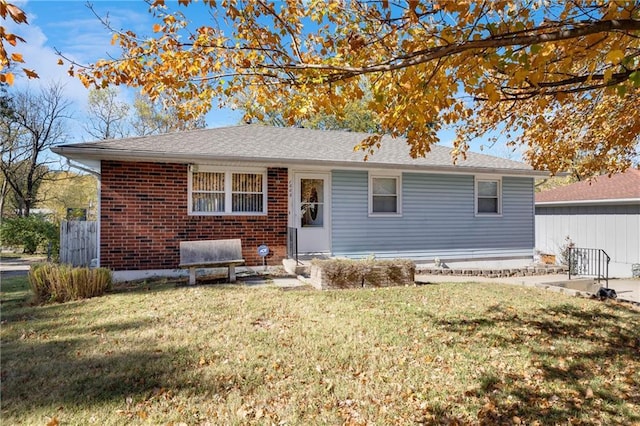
{"x": 101, "y": 154}
{"x": 610, "y": 201}
{"x": 84, "y": 169}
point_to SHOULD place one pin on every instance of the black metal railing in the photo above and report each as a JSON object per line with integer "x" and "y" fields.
{"x": 589, "y": 262}
{"x": 292, "y": 243}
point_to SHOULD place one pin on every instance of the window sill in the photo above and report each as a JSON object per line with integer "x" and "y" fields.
{"x": 385, "y": 214}
{"x": 226, "y": 214}
{"x": 488, "y": 215}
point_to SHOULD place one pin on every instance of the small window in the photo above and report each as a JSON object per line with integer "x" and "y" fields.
{"x": 384, "y": 196}
{"x": 488, "y": 197}
{"x": 227, "y": 192}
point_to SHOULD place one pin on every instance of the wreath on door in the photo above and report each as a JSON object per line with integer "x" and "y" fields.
{"x": 313, "y": 207}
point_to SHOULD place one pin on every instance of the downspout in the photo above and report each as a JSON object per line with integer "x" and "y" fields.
{"x": 98, "y": 207}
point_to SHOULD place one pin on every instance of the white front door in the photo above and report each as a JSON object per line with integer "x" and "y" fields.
{"x": 311, "y": 209}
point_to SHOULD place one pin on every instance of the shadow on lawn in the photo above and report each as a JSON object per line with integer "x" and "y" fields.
{"x": 58, "y": 373}
{"x": 584, "y": 364}
{"x": 39, "y": 372}
{"x": 147, "y": 285}
{"x": 162, "y": 284}
{"x": 52, "y": 361}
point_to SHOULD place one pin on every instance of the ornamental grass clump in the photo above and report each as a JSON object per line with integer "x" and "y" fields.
{"x": 61, "y": 283}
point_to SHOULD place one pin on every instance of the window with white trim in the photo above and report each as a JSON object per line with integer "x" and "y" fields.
{"x": 488, "y": 196}
{"x": 220, "y": 192}
{"x": 384, "y": 195}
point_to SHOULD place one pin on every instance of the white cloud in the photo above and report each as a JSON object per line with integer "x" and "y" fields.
{"x": 39, "y": 55}
{"x": 81, "y": 38}
{"x": 72, "y": 28}
{"x": 87, "y": 39}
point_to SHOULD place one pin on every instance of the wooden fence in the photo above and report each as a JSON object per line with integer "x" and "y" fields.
{"x": 78, "y": 242}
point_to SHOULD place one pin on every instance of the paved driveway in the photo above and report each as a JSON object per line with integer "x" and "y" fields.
{"x": 627, "y": 289}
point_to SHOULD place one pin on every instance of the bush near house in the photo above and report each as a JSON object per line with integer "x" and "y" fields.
{"x": 32, "y": 233}
{"x": 61, "y": 283}
{"x": 347, "y": 273}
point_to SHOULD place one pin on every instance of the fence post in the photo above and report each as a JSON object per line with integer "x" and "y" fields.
{"x": 599, "y": 262}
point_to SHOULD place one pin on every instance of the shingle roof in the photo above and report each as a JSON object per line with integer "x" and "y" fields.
{"x": 620, "y": 186}
{"x": 257, "y": 143}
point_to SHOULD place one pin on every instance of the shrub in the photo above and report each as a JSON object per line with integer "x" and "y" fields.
{"x": 346, "y": 273}
{"x": 61, "y": 283}
{"x": 565, "y": 252}
{"x": 31, "y": 233}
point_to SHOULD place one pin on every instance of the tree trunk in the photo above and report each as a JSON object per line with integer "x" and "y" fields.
{"x": 3, "y": 196}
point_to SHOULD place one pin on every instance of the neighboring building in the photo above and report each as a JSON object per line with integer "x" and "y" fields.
{"x": 601, "y": 214}
{"x": 253, "y": 182}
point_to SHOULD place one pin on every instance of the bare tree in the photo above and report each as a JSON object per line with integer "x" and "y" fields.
{"x": 107, "y": 116}
{"x": 36, "y": 124}
{"x": 6, "y": 134}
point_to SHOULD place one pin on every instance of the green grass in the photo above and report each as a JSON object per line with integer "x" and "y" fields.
{"x": 159, "y": 353}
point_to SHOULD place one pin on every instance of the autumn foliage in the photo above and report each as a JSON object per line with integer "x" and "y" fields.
{"x": 8, "y": 61}
{"x": 559, "y": 78}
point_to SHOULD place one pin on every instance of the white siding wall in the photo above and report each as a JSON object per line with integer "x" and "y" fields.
{"x": 615, "y": 229}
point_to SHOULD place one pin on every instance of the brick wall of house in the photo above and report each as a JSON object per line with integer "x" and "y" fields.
{"x": 144, "y": 217}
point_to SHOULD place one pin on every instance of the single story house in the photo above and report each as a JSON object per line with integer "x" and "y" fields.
{"x": 601, "y": 214}
{"x": 258, "y": 183}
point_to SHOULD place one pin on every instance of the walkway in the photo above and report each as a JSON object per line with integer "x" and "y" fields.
{"x": 13, "y": 267}
{"x": 627, "y": 289}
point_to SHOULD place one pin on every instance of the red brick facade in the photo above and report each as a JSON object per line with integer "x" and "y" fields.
{"x": 144, "y": 217}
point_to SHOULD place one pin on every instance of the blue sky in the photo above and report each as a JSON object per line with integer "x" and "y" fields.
{"x": 72, "y": 28}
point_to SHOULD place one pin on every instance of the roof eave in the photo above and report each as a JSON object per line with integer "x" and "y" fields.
{"x": 610, "y": 201}
{"x": 84, "y": 153}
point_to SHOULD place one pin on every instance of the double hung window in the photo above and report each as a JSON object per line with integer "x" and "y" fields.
{"x": 220, "y": 192}
{"x": 488, "y": 197}
{"x": 384, "y": 195}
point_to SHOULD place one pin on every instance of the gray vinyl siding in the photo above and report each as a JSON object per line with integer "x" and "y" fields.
{"x": 438, "y": 216}
{"x": 613, "y": 228}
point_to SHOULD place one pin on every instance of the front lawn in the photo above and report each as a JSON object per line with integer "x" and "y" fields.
{"x": 437, "y": 354}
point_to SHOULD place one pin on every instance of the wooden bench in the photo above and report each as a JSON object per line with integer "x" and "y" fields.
{"x": 211, "y": 254}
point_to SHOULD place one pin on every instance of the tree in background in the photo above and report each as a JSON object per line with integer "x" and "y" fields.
{"x": 154, "y": 117}
{"x": 36, "y": 124}
{"x": 554, "y": 182}
{"x": 353, "y": 116}
{"x": 32, "y": 233}
{"x": 65, "y": 190}
{"x": 561, "y": 79}
{"x": 107, "y": 116}
{"x": 6, "y": 135}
